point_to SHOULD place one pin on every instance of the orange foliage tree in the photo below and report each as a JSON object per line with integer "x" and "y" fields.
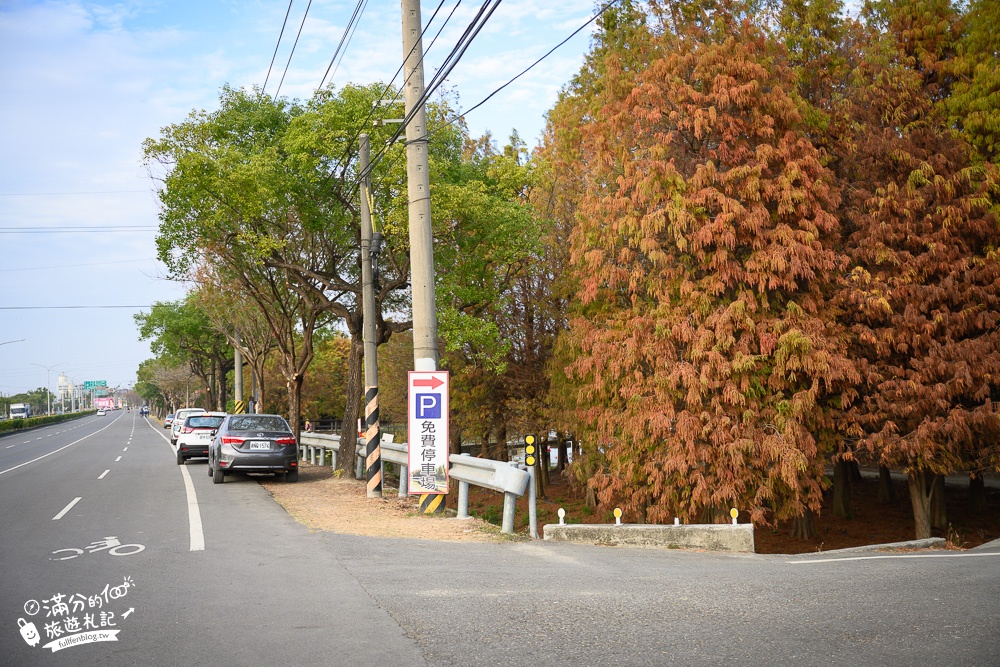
{"x": 923, "y": 302}
{"x": 710, "y": 364}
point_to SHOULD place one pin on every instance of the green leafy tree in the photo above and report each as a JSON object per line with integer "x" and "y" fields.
{"x": 183, "y": 331}
{"x": 974, "y": 104}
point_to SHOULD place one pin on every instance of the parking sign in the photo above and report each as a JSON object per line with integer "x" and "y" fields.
{"x": 427, "y": 398}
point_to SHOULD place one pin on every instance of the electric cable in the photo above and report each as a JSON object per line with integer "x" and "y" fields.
{"x": 294, "y": 44}
{"x": 73, "y": 266}
{"x": 275, "y": 54}
{"x": 349, "y": 146}
{"x": 345, "y": 39}
{"x": 49, "y": 194}
{"x": 532, "y": 65}
{"x": 96, "y": 229}
{"x": 451, "y": 61}
{"x": 461, "y": 114}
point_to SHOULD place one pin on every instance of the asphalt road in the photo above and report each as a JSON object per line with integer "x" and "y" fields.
{"x": 226, "y": 577}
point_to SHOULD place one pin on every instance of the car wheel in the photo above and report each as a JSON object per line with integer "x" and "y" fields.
{"x": 218, "y": 476}
{"x": 292, "y": 475}
{"x": 180, "y": 457}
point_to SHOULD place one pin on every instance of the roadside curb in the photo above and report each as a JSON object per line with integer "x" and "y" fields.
{"x": 929, "y": 543}
{"x": 995, "y": 544}
{"x": 732, "y": 538}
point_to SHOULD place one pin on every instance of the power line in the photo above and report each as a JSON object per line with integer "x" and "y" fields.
{"x": 512, "y": 80}
{"x": 352, "y": 25}
{"x": 67, "y": 307}
{"x": 275, "y": 54}
{"x": 294, "y": 44}
{"x": 97, "y": 229}
{"x": 451, "y": 60}
{"x": 532, "y": 65}
{"x": 362, "y": 127}
{"x": 73, "y": 266}
{"x": 50, "y": 194}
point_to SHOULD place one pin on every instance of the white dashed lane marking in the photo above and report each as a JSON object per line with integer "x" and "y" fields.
{"x": 66, "y": 509}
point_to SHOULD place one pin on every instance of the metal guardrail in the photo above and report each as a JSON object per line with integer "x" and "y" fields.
{"x": 509, "y": 478}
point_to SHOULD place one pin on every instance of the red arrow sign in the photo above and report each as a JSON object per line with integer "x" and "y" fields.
{"x": 433, "y": 383}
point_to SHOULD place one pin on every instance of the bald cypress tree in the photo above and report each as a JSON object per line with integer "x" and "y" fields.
{"x": 923, "y": 300}
{"x": 704, "y": 252}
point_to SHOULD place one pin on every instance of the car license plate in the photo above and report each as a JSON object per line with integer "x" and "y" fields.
{"x": 260, "y": 445}
{"x": 204, "y": 436}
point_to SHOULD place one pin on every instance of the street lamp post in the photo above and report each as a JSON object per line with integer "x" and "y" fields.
{"x": 48, "y": 393}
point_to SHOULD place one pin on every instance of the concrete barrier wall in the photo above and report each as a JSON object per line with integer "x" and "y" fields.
{"x": 712, "y": 537}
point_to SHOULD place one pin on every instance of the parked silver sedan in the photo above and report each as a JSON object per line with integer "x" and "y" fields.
{"x": 254, "y": 443}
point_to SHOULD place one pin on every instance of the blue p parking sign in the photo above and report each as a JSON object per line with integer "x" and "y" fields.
{"x": 428, "y": 406}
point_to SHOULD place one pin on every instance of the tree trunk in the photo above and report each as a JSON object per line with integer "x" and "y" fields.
{"x": 842, "y": 489}
{"x": 591, "y": 497}
{"x": 977, "y": 493}
{"x": 855, "y": 469}
{"x": 920, "y": 500}
{"x": 803, "y": 528}
{"x": 562, "y": 460}
{"x": 713, "y": 514}
{"x": 543, "y": 465}
{"x": 223, "y": 387}
{"x": 294, "y": 401}
{"x": 886, "y": 489}
{"x": 347, "y": 455}
{"x": 211, "y": 387}
{"x": 939, "y": 515}
{"x": 500, "y": 446}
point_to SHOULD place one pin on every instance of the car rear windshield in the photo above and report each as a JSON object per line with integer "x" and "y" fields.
{"x": 258, "y": 423}
{"x": 204, "y": 422}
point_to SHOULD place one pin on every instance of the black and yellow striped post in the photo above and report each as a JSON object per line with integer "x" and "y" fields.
{"x": 373, "y": 449}
{"x": 239, "y": 407}
{"x": 432, "y": 503}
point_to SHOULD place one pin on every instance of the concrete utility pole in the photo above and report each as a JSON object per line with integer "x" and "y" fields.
{"x": 373, "y": 437}
{"x": 425, "y": 350}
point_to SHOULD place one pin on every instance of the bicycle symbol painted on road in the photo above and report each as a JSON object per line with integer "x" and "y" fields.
{"x": 112, "y": 544}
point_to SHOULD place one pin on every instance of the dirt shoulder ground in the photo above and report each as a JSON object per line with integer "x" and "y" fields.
{"x": 324, "y": 502}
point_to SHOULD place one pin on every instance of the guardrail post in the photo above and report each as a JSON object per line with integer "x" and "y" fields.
{"x": 532, "y": 511}
{"x": 322, "y": 455}
{"x": 463, "y": 498}
{"x": 509, "y": 501}
{"x": 404, "y": 481}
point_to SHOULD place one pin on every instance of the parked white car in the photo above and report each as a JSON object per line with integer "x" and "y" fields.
{"x": 179, "y": 416}
{"x": 196, "y": 435}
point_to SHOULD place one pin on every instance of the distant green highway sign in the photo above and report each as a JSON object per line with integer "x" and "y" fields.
{"x": 94, "y": 384}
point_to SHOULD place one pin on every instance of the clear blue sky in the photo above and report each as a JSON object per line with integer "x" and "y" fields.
{"x": 84, "y": 83}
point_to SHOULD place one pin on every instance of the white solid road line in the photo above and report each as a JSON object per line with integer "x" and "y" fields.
{"x": 66, "y": 509}
{"x": 194, "y": 511}
{"x": 890, "y": 557}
